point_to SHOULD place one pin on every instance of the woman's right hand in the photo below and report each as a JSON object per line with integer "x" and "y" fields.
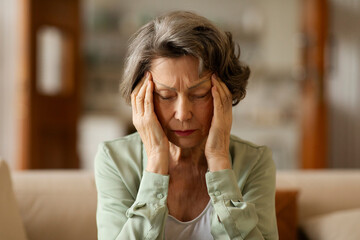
{"x": 148, "y": 126}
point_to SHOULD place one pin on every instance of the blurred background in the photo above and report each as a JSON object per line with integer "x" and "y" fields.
{"x": 61, "y": 63}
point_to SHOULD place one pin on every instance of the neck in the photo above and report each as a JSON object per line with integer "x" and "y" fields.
{"x": 187, "y": 157}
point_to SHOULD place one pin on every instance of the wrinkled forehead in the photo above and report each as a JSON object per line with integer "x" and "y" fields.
{"x": 198, "y": 62}
{"x": 171, "y": 71}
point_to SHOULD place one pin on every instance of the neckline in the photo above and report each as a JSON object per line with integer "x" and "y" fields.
{"x": 195, "y": 219}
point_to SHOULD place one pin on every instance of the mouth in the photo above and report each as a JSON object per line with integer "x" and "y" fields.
{"x": 183, "y": 133}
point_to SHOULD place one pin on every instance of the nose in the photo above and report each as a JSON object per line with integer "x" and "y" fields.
{"x": 183, "y": 110}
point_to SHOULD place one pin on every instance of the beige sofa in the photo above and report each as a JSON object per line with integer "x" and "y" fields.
{"x": 52, "y": 205}
{"x": 61, "y": 204}
{"x": 328, "y": 202}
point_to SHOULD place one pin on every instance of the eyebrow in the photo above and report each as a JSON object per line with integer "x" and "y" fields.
{"x": 171, "y": 88}
{"x": 198, "y": 84}
{"x": 189, "y": 88}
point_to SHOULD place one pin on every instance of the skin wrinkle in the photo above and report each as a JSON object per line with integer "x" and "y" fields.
{"x": 188, "y": 102}
{"x": 181, "y": 74}
{"x": 189, "y": 88}
{"x": 160, "y": 61}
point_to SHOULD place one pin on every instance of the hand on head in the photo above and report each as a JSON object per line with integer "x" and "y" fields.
{"x": 148, "y": 126}
{"x": 216, "y": 137}
{"x": 217, "y": 144}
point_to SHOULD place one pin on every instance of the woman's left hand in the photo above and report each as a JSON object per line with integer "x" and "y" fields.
{"x": 217, "y": 144}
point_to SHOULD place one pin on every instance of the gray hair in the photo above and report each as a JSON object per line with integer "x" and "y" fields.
{"x": 181, "y": 33}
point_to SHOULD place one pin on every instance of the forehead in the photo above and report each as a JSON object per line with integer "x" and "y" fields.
{"x": 176, "y": 72}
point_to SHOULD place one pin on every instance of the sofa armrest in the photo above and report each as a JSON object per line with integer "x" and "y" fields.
{"x": 286, "y": 213}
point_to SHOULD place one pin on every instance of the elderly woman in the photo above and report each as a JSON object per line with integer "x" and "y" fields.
{"x": 182, "y": 175}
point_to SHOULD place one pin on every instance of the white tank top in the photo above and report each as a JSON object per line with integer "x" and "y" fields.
{"x": 196, "y": 229}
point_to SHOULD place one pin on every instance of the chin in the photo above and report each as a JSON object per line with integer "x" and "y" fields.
{"x": 186, "y": 142}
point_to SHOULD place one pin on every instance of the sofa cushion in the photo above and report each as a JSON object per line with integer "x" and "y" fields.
{"x": 333, "y": 226}
{"x": 11, "y": 226}
{"x": 57, "y": 204}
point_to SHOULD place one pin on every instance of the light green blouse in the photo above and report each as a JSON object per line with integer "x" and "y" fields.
{"x": 132, "y": 201}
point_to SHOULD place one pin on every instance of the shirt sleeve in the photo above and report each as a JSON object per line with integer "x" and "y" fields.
{"x": 121, "y": 215}
{"x": 248, "y": 213}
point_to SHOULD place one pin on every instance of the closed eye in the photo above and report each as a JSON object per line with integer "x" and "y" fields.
{"x": 165, "y": 97}
{"x": 201, "y": 96}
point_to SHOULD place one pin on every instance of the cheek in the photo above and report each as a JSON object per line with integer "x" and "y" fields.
{"x": 162, "y": 111}
{"x": 205, "y": 112}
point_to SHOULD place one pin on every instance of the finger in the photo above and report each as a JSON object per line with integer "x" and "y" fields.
{"x": 216, "y": 99}
{"x": 219, "y": 88}
{"x": 133, "y": 103}
{"x": 140, "y": 84}
{"x": 225, "y": 88}
{"x": 135, "y": 92}
{"x": 149, "y": 104}
{"x": 228, "y": 96}
{"x": 140, "y": 97}
{"x": 225, "y": 94}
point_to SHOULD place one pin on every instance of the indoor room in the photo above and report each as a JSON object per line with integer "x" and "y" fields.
{"x": 61, "y": 65}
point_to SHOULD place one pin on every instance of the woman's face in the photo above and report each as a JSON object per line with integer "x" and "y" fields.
{"x": 182, "y": 100}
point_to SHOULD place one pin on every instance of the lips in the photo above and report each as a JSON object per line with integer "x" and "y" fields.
{"x": 184, "y": 133}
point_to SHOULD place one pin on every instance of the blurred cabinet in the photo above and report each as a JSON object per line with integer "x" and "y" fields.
{"x": 50, "y": 81}
{"x": 314, "y": 103}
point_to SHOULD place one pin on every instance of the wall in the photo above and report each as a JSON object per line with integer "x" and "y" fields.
{"x": 8, "y": 59}
{"x": 344, "y": 84}
{"x": 273, "y": 90}
{"x": 267, "y": 32}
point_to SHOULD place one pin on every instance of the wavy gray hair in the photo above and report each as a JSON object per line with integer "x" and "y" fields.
{"x": 180, "y": 33}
